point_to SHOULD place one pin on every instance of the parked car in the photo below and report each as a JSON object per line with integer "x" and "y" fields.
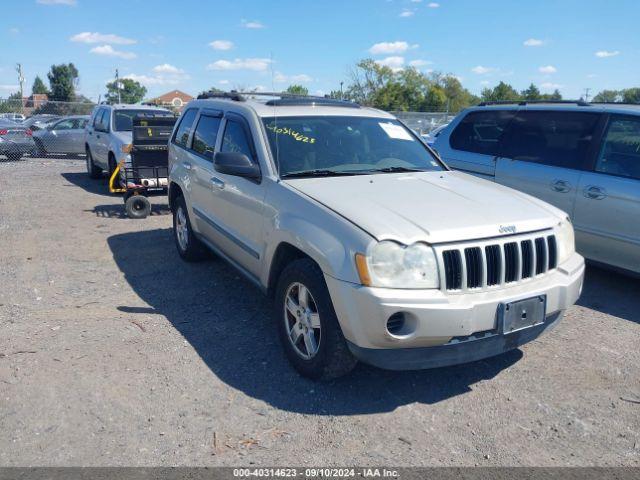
{"x": 14, "y": 117}
{"x": 15, "y": 140}
{"x": 583, "y": 158}
{"x": 38, "y": 122}
{"x": 108, "y": 135}
{"x": 371, "y": 247}
{"x": 62, "y": 136}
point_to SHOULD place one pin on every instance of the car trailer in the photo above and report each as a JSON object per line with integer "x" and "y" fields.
{"x": 145, "y": 169}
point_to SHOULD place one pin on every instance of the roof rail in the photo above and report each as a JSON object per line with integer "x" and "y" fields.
{"x": 616, "y": 103}
{"x": 580, "y": 103}
{"x": 281, "y": 98}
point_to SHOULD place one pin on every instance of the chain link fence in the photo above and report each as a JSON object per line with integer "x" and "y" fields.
{"x": 38, "y": 127}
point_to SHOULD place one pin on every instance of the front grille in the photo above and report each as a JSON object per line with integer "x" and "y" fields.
{"x": 497, "y": 263}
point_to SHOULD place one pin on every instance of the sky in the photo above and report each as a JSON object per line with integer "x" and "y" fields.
{"x": 194, "y": 45}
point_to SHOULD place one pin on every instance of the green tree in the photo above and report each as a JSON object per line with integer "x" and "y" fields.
{"x": 556, "y": 95}
{"x": 297, "y": 90}
{"x": 532, "y": 93}
{"x": 608, "y": 96}
{"x": 12, "y": 104}
{"x": 63, "y": 79}
{"x": 458, "y": 97}
{"x": 39, "y": 87}
{"x": 503, "y": 92}
{"x": 631, "y": 95}
{"x": 130, "y": 91}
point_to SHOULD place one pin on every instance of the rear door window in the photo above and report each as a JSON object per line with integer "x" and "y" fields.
{"x": 184, "y": 128}
{"x": 556, "y": 138}
{"x": 620, "y": 152}
{"x": 205, "y": 136}
{"x": 481, "y": 131}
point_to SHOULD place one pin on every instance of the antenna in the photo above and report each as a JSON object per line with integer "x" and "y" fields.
{"x": 275, "y": 114}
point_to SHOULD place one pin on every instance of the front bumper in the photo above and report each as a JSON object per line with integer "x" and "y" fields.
{"x": 447, "y": 328}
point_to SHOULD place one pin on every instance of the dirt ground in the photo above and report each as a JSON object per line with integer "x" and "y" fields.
{"x": 115, "y": 352}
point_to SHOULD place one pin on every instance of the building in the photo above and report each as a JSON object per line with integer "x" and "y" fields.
{"x": 175, "y": 99}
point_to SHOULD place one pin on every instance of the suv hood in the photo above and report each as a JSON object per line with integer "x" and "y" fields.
{"x": 435, "y": 207}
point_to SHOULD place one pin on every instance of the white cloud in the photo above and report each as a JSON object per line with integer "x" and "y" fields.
{"x": 167, "y": 68}
{"x": 433, "y": 5}
{"x": 480, "y": 70}
{"x": 533, "y": 42}
{"x": 254, "y": 24}
{"x": 95, "y": 37}
{"x": 279, "y": 77}
{"x": 57, "y": 2}
{"x": 395, "y": 63}
{"x": 407, "y": 13}
{"x": 223, "y": 82}
{"x": 548, "y": 69}
{"x": 592, "y": 75}
{"x": 416, "y": 1}
{"x": 386, "y": 48}
{"x": 109, "y": 51}
{"x": 144, "y": 79}
{"x": 550, "y": 86}
{"x": 9, "y": 88}
{"x": 254, "y": 64}
{"x": 419, "y": 63}
{"x": 221, "y": 45}
{"x": 484, "y": 82}
{"x": 606, "y": 53}
{"x": 14, "y": 30}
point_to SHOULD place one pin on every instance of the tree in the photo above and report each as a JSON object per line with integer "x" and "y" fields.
{"x": 63, "y": 79}
{"x": 631, "y": 95}
{"x": 12, "y": 104}
{"x": 130, "y": 91}
{"x": 297, "y": 90}
{"x": 608, "y": 96}
{"x": 556, "y": 95}
{"x": 532, "y": 93}
{"x": 503, "y": 92}
{"x": 39, "y": 88}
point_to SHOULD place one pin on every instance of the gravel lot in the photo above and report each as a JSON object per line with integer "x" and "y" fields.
{"x": 114, "y": 352}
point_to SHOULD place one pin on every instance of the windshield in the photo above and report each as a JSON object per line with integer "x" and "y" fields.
{"x": 309, "y": 146}
{"x": 123, "y": 119}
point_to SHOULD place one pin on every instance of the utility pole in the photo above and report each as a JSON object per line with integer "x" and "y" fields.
{"x": 21, "y": 82}
{"x": 586, "y": 94}
{"x": 341, "y": 95}
{"x": 118, "y": 86}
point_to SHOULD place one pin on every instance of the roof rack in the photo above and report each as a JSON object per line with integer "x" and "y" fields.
{"x": 580, "y": 103}
{"x": 617, "y": 103}
{"x": 281, "y": 98}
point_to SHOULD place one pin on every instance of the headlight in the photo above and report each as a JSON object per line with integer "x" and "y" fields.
{"x": 389, "y": 264}
{"x": 566, "y": 241}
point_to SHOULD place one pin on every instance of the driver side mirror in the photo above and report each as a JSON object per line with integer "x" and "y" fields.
{"x": 237, "y": 164}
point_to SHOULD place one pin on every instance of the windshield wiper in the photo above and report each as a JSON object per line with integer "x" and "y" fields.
{"x": 319, "y": 173}
{"x": 397, "y": 169}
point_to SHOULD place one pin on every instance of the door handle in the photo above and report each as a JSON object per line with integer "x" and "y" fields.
{"x": 597, "y": 193}
{"x": 561, "y": 186}
{"x": 216, "y": 182}
{"x": 186, "y": 165}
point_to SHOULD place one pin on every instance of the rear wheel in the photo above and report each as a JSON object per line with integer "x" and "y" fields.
{"x": 189, "y": 247}
{"x": 92, "y": 170}
{"x": 40, "y": 150}
{"x": 308, "y": 325}
{"x": 14, "y": 157}
{"x": 137, "y": 206}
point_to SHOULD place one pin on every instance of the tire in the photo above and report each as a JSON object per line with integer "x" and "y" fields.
{"x": 93, "y": 171}
{"x": 189, "y": 247}
{"x": 14, "y": 157}
{"x": 332, "y": 358}
{"x": 137, "y": 206}
{"x": 112, "y": 164}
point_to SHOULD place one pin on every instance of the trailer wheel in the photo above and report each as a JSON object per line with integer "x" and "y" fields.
{"x": 137, "y": 206}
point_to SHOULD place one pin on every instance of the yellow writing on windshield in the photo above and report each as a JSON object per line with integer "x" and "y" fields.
{"x": 292, "y": 133}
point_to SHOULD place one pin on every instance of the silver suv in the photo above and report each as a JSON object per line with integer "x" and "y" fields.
{"x": 107, "y": 138}
{"x": 583, "y": 158}
{"x": 370, "y": 246}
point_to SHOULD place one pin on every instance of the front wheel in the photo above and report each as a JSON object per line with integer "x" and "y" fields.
{"x": 307, "y": 323}
{"x": 14, "y": 157}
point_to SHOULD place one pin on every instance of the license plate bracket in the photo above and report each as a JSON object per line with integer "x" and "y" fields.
{"x": 521, "y": 314}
